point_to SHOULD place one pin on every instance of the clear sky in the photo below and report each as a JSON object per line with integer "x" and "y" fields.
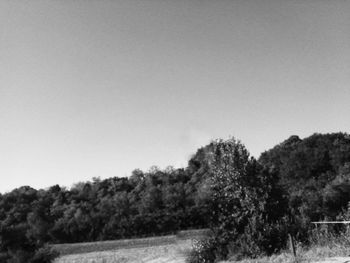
{"x": 98, "y": 88}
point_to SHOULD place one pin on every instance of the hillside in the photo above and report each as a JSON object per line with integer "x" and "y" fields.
{"x": 309, "y": 178}
{"x": 315, "y": 172}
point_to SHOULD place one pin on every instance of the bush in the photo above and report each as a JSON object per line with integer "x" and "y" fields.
{"x": 331, "y": 236}
{"x": 18, "y": 256}
{"x": 248, "y": 205}
{"x": 44, "y": 255}
{"x": 259, "y": 239}
{"x": 203, "y": 251}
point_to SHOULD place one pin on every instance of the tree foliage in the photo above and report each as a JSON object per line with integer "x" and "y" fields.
{"x": 248, "y": 202}
{"x": 315, "y": 174}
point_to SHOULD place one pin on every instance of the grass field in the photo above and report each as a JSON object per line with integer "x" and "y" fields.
{"x": 174, "y": 249}
{"x": 176, "y": 253}
{"x": 79, "y": 248}
{"x": 169, "y": 249}
{"x": 170, "y": 253}
{"x": 324, "y": 254}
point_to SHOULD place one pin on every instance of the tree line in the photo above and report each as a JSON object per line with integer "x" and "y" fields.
{"x": 249, "y": 203}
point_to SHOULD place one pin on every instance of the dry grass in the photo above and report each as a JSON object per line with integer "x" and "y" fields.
{"x": 170, "y": 249}
{"x": 323, "y": 246}
{"x": 79, "y": 248}
{"x": 304, "y": 255}
{"x": 280, "y": 258}
{"x": 171, "y": 253}
{"x": 176, "y": 253}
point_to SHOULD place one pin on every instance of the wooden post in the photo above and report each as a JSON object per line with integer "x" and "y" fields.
{"x": 292, "y": 247}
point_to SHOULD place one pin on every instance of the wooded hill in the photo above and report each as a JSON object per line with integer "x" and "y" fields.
{"x": 310, "y": 180}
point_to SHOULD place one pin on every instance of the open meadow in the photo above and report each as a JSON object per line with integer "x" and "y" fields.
{"x": 170, "y": 253}
{"x": 170, "y": 249}
{"x": 176, "y": 253}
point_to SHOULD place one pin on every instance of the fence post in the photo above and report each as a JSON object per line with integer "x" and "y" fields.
{"x": 292, "y": 247}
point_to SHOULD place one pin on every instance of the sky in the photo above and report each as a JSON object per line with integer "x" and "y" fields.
{"x": 98, "y": 88}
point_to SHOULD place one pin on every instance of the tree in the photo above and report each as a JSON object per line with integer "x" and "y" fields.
{"x": 245, "y": 200}
{"x": 311, "y": 171}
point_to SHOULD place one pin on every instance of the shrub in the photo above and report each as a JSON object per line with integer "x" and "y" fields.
{"x": 329, "y": 236}
{"x": 18, "y": 256}
{"x": 44, "y": 255}
{"x": 259, "y": 239}
{"x": 247, "y": 204}
{"x": 203, "y": 251}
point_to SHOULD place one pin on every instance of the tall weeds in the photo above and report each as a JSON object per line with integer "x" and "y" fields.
{"x": 324, "y": 242}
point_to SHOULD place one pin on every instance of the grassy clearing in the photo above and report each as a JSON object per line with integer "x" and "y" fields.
{"x": 324, "y": 246}
{"x": 171, "y": 253}
{"x": 176, "y": 253}
{"x": 312, "y": 254}
{"x": 169, "y": 249}
{"x": 174, "y": 249}
{"x": 79, "y": 248}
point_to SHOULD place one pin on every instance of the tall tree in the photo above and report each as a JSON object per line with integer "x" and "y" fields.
{"x": 245, "y": 200}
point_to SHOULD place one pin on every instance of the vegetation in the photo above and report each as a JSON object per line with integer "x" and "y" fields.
{"x": 321, "y": 245}
{"x": 171, "y": 253}
{"x": 249, "y": 204}
{"x": 248, "y": 207}
{"x": 315, "y": 174}
{"x": 79, "y": 248}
